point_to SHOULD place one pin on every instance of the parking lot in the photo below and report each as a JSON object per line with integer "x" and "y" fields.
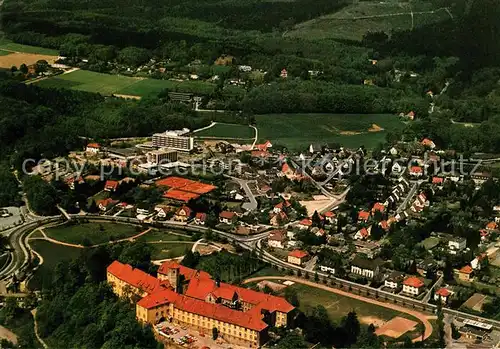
{"x": 190, "y": 338}
{"x": 9, "y": 216}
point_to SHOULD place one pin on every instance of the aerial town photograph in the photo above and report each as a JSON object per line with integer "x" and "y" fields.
{"x": 282, "y": 174}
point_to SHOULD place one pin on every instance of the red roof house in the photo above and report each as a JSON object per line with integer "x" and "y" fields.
{"x": 363, "y": 216}
{"x": 111, "y": 185}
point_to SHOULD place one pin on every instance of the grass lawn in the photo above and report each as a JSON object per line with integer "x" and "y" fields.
{"x": 99, "y": 196}
{"x": 107, "y": 84}
{"x": 298, "y": 131}
{"x": 163, "y": 235}
{"x": 4, "y": 53}
{"x": 169, "y": 250}
{"x": 52, "y": 254}
{"x": 92, "y": 233}
{"x": 347, "y": 24}
{"x": 338, "y": 306}
{"x": 228, "y": 131}
{"x": 11, "y": 46}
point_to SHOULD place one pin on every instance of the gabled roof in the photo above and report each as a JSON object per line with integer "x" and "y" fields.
{"x": 186, "y": 272}
{"x": 94, "y": 145}
{"x": 106, "y": 202}
{"x": 282, "y": 204}
{"x": 427, "y": 142}
{"x": 277, "y": 235}
{"x": 413, "y": 281}
{"x": 363, "y": 215}
{"x": 227, "y": 214}
{"x": 298, "y": 254}
{"x": 466, "y": 270}
{"x": 306, "y": 222}
{"x": 184, "y": 210}
{"x": 111, "y": 184}
{"x": 415, "y": 169}
{"x": 135, "y": 277}
{"x": 384, "y": 225}
{"x": 329, "y": 214}
{"x": 437, "y": 180}
{"x": 443, "y": 292}
{"x": 491, "y": 226}
{"x": 378, "y": 207}
{"x": 201, "y": 216}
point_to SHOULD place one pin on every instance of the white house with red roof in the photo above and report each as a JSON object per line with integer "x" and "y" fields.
{"x": 264, "y": 146}
{"x": 363, "y": 216}
{"x": 413, "y": 285}
{"x": 304, "y": 224}
{"x": 227, "y": 217}
{"x": 444, "y": 294}
{"x": 200, "y": 218}
{"x": 330, "y": 217}
{"x": 111, "y": 185}
{"x": 93, "y": 148}
{"x": 106, "y": 204}
{"x": 416, "y": 171}
{"x": 183, "y": 214}
{"x": 298, "y": 257}
{"x": 426, "y": 142}
{"x": 363, "y": 233}
{"x": 277, "y": 238}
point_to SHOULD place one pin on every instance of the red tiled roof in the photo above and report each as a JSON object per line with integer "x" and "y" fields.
{"x": 94, "y": 145}
{"x": 298, "y": 254}
{"x": 378, "y": 207}
{"x": 437, "y": 180}
{"x": 427, "y": 141}
{"x": 111, "y": 184}
{"x": 416, "y": 169}
{"x": 199, "y": 288}
{"x": 227, "y": 214}
{"x": 443, "y": 292}
{"x": 491, "y": 226}
{"x": 277, "y": 235}
{"x": 260, "y": 154}
{"x": 201, "y": 216}
{"x": 135, "y": 277}
{"x": 285, "y": 203}
{"x": 158, "y": 298}
{"x": 179, "y": 195}
{"x": 413, "y": 282}
{"x": 285, "y": 168}
{"x": 329, "y": 214}
{"x": 187, "y": 211}
{"x": 106, "y": 202}
{"x": 384, "y": 225}
{"x": 186, "y": 272}
{"x": 306, "y": 222}
{"x": 466, "y": 270}
{"x": 364, "y": 232}
{"x": 363, "y": 215}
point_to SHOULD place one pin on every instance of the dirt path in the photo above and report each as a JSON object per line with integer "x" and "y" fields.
{"x": 420, "y": 316}
{"x": 36, "y": 330}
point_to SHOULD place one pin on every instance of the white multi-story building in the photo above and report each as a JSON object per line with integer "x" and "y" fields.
{"x": 365, "y": 267}
{"x": 413, "y": 286}
{"x": 177, "y": 139}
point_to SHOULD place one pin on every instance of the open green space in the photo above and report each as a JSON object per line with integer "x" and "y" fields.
{"x": 92, "y": 233}
{"x": 298, "y": 131}
{"x": 106, "y": 84}
{"x": 163, "y": 235}
{"x": 52, "y": 254}
{"x": 228, "y": 131}
{"x": 338, "y": 306}
{"x": 355, "y": 20}
{"x": 169, "y": 250}
{"x": 12, "y": 46}
{"x": 4, "y": 53}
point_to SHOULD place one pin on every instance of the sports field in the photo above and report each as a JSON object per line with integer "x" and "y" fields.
{"x": 298, "y": 131}
{"x": 107, "y": 84}
{"x": 228, "y": 131}
{"x": 92, "y": 233}
{"x": 355, "y": 20}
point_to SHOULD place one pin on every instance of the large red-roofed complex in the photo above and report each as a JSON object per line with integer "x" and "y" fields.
{"x": 192, "y": 298}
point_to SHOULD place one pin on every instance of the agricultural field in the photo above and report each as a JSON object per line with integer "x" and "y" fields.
{"x": 107, "y": 84}
{"x": 355, "y": 20}
{"x": 14, "y": 47}
{"x": 229, "y": 131}
{"x": 298, "y": 131}
{"x": 12, "y": 54}
{"x": 92, "y": 233}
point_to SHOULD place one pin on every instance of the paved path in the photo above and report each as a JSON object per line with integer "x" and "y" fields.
{"x": 420, "y": 316}
{"x": 206, "y": 127}
{"x": 7, "y": 334}
{"x": 256, "y": 136}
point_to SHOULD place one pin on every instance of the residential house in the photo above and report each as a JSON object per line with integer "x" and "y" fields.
{"x": 466, "y": 273}
{"x": 457, "y": 245}
{"x": 330, "y": 217}
{"x": 284, "y": 73}
{"x": 365, "y": 267}
{"x": 183, "y": 214}
{"x": 492, "y": 226}
{"x": 278, "y": 219}
{"x": 443, "y": 294}
{"x": 264, "y": 146}
{"x": 420, "y": 203}
{"x": 413, "y": 286}
{"x": 416, "y": 171}
{"x": 384, "y": 225}
{"x": 426, "y": 266}
{"x": 363, "y": 216}
{"x": 298, "y": 257}
{"x": 227, "y": 217}
{"x": 111, "y": 185}
{"x": 93, "y": 148}
{"x": 106, "y": 204}
{"x": 363, "y": 233}
{"x": 394, "y": 280}
{"x": 327, "y": 269}
{"x": 369, "y": 248}
{"x": 162, "y": 211}
{"x": 200, "y": 218}
{"x": 304, "y": 224}
{"x": 283, "y": 206}
{"x": 438, "y": 181}
{"x": 393, "y": 151}
{"x": 397, "y": 168}
{"x": 426, "y": 142}
{"x": 378, "y": 206}
{"x": 479, "y": 261}
{"x": 277, "y": 238}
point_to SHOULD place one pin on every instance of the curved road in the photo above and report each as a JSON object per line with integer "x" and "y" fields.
{"x": 420, "y": 316}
